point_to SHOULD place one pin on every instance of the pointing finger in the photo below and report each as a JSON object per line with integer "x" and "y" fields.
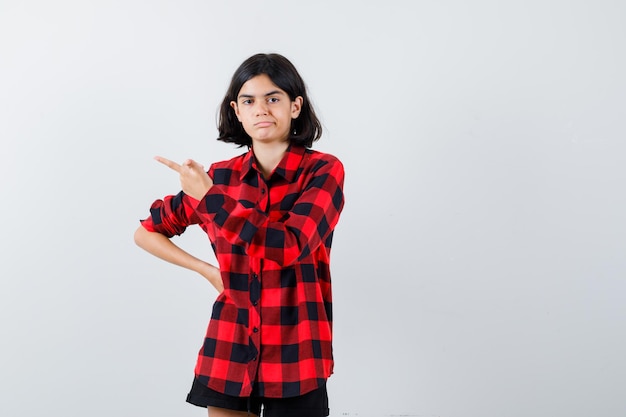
{"x": 170, "y": 164}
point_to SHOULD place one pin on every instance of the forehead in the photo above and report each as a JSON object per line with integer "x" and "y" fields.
{"x": 259, "y": 85}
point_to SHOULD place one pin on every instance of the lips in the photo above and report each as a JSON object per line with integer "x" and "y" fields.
{"x": 263, "y": 124}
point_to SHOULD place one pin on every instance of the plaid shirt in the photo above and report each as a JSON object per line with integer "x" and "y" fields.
{"x": 271, "y": 328}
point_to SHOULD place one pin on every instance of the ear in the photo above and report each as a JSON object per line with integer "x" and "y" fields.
{"x": 233, "y": 104}
{"x": 296, "y": 107}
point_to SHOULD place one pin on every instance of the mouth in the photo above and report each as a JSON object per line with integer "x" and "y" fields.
{"x": 263, "y": 124}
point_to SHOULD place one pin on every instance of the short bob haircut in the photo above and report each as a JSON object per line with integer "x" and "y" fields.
{"x": 305, "y": 130}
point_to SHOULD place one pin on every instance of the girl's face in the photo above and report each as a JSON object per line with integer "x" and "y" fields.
{"x": 264, "y": 110}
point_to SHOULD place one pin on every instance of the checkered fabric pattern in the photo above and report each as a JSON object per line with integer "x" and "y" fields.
{"x": 272, "y": 325}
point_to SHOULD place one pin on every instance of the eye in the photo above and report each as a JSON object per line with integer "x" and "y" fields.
{"x": 273, "y": 100}
{"x": 246, "y": 101}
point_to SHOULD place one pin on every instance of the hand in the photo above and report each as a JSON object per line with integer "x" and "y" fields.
{"x": 212, "y": 274}
{"x": 194, "y": 180}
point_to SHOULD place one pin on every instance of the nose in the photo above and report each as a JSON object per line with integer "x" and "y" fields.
{"x": 261, "y": 108}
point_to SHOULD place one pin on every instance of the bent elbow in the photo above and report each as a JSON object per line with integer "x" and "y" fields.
{"x": 139, "y": 235}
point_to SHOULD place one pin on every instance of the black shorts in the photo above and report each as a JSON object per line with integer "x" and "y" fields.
{"x": 312, "y": 404}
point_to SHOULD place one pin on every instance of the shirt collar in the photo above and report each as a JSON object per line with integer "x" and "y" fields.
{"x": 286, "y": 168}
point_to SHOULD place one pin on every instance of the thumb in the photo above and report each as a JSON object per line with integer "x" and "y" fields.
{"x": 190, "y": 163}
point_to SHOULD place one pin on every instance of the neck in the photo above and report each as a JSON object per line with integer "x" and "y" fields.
{"x": 269, "y": 155}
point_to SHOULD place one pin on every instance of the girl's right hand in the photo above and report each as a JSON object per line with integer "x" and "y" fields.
{"x": 213, "y": 275}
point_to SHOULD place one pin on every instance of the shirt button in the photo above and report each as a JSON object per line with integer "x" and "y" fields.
{"x": 262, "y": 190}
{"x": 255, "y": 330}
{"x": 255, "y": 303}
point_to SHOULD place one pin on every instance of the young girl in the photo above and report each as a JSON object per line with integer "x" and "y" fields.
{"x": 270, "y": 215}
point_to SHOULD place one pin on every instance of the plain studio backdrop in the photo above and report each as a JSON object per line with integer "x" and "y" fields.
{"x": 478, "y": 267}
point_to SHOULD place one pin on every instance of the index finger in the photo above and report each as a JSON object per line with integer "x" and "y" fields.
{"x": 170, "y": 164}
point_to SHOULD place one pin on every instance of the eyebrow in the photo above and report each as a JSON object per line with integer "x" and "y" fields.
{"x": 271, "y": 93}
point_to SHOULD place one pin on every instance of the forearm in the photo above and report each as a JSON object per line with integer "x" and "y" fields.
{"x": 163, "y": 248}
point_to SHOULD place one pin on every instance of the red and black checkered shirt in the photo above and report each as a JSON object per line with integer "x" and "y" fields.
{"x": 271, "y": 328}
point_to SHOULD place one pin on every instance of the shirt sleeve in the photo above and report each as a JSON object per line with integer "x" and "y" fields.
{"x": 301, "y": 231}
{"x": 171, "y": 215}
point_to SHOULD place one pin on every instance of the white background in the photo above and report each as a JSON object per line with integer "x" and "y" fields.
{"x": 478, "y": 267}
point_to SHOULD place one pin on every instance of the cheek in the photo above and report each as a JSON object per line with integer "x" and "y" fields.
{"x": 243, "y": 116}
